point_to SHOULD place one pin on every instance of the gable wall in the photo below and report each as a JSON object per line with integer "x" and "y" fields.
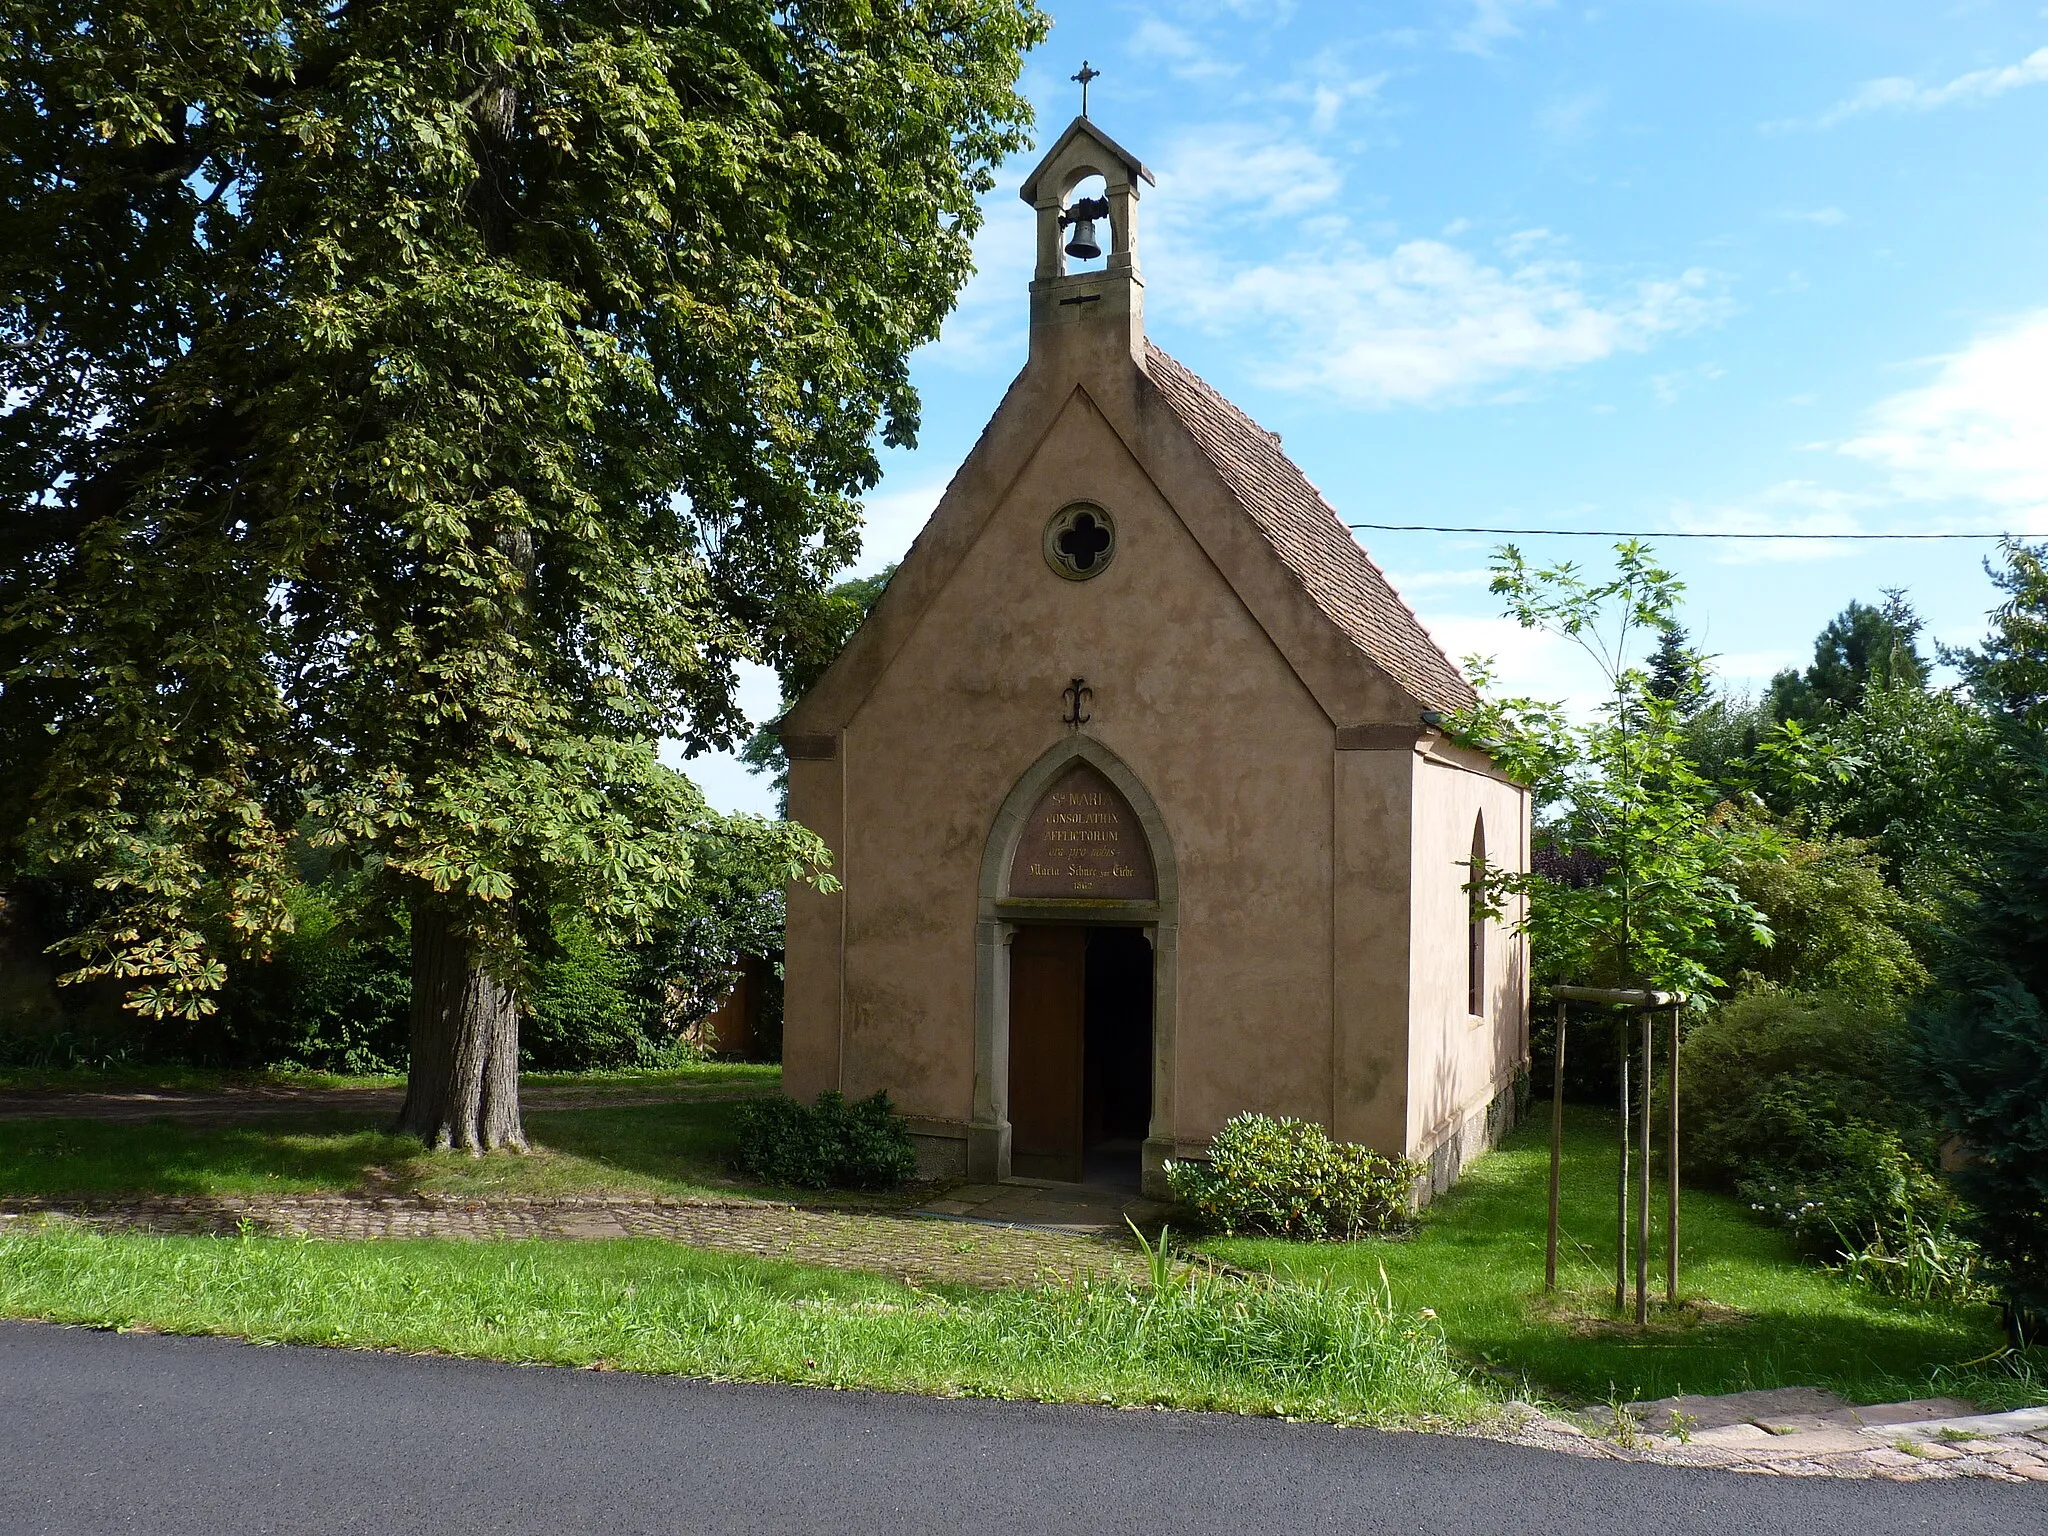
{"x": 1195, "y": 699}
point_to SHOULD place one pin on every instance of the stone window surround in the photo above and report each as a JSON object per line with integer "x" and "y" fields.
{"x": 1056, "y": 528}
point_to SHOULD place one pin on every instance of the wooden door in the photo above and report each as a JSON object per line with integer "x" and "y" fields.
{"x": 1048, "y": 991}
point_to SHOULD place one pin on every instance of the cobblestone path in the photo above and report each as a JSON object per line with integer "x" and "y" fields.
{"x": 903, "y": 1247}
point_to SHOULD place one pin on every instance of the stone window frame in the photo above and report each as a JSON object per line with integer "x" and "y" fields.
{"x": 1475, "y": 926}
{"x": 1057, "y": 526}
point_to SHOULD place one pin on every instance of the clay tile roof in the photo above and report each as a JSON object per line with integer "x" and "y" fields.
{"x": 1310, "y": 538}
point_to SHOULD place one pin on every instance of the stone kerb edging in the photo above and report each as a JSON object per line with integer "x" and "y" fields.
{"x": 1801, "y": 1432}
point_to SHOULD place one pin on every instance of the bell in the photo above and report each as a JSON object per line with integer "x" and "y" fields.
{"x": 1081, "y": 218}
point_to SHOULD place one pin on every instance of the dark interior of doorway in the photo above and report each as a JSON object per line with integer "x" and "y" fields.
{"x": 1116, "y": 1058}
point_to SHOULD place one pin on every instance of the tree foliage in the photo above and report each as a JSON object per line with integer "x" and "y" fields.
{"x": 1983, "y": 1029}
{"x": 2008, "y": 673}
{"x": 416, "y": 411}
{"x": 832, "y": 625}
{"x": 1836, "y": 926}
{"x": 1861, "y": 647}
{"x": 1617, "y": 796}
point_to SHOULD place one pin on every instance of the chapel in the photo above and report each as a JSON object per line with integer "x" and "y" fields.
{"x": 1141, "y": 810}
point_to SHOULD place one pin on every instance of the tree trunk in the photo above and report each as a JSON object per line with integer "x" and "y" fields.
{"x": 462, "y": 1089}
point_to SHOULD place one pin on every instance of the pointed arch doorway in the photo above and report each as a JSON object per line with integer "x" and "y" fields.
{"x": 1077, "y": 942}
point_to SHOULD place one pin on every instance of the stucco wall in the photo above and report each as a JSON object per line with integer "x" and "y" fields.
{"x": 1279, "y": 755}
{"x": 1195, "y": 699}
{"x": 1458, "y": 1062}
{"x": 1374, "y": 854}
{"x": 811, "y": 950}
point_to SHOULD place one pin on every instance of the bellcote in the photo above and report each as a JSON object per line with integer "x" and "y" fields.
{"x": 1108, "y": 304}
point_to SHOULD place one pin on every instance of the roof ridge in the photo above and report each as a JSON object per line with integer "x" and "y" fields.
{"x": 1294, "y": 516}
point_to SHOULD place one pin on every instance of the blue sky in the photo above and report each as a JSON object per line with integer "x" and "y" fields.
{"x": 1769, "y": 265}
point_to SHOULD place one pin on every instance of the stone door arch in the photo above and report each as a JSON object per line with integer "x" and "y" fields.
{"x": 1151, "y": 904}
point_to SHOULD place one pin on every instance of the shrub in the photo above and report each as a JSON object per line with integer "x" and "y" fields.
{"x": 1764, "y": 1074}
{"x": 1983, "y": 1034}
{"x": 596, "y": 1004}
{"x": 1799, "y": 1103}
{"x": 1847, "y": 1186}
{"x": 334, "y": 996}
{"x": 865, "y": 1145}
{"x": 1836, "y": 927}
{"x": 1923, "y": 1261}
{"x": 1290, "y": 1179}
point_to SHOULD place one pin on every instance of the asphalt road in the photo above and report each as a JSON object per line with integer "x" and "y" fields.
{"x": 101, "y": 1433}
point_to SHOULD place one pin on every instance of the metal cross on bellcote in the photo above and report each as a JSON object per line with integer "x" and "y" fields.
{"x": 1084, "y": 77}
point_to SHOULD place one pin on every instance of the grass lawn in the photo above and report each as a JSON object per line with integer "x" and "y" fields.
{"x": 658, "y": 1149}
{"x": 651, "y": 1306}
{"x": 704, "y": 1074}
{"x": 1327, "y": 1343}
{"x": 1752, "y": 1315}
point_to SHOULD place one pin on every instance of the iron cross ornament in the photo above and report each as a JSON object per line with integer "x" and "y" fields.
{"x": 1077, "y": 694}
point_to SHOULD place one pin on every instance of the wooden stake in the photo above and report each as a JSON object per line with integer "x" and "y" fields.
{"x": 1621, "y": 1189}
{"x": 1556, "y": 1152}
{"x": 1671, "y": 1178}
{"x": 1643, "y": 1202}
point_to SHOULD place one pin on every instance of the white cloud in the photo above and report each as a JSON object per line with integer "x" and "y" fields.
{"x": 1826, "y": 218}
{"x": 1427, "y": 322}
{"x": 1565, "y": 119}
{"x": 893, "y": 518}
{"x": 1492, "y": 22}
{"x": 1328, "y": 86}
{"x": 1746, "y": 667}
{"x": 1527, "y": 663}
{"x": 990, "y": 322}
{"x": 1436, "y": 581}
{"x": 1670, "y": 387}
{"x": 1896, "y": 93}
{"x": 1973, "y": 441}
{"x": 1422, "y": 322}
{"x": 1804, "y": 507}
{"x": 1978, "y": 431}
{"x": 1176, "y": 47}
{"x": 1524, "y": 243}
{"x": 1236, "y": 169}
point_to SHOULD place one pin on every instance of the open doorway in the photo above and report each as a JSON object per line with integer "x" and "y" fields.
{"x": 1080, "y": 1053}
{"x": 1116, "y": 1059}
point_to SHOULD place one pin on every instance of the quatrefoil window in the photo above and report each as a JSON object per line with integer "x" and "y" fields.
{"x": 1080, "y": 541}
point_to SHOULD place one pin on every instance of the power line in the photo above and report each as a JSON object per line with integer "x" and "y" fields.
{"x": 1613, "y": 533}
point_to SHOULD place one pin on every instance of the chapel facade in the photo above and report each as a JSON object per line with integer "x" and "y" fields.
{"x": 1136, "y": 790}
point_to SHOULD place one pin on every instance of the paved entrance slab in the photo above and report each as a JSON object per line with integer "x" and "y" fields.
{"x": 1080, "y": 1208}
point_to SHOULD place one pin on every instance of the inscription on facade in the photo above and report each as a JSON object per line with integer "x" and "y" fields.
{"x": 1083, "y": 841}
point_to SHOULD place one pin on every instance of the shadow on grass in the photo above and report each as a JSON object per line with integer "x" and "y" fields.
{"x": 656, "y": 1149}
{"x": 167, "y": 1157}
{"x": 1753, "y": 1313}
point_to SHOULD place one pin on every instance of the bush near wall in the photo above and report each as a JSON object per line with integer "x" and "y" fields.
{"x": 863, "y": 1145}
{"x": 1289, "y": 1178}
